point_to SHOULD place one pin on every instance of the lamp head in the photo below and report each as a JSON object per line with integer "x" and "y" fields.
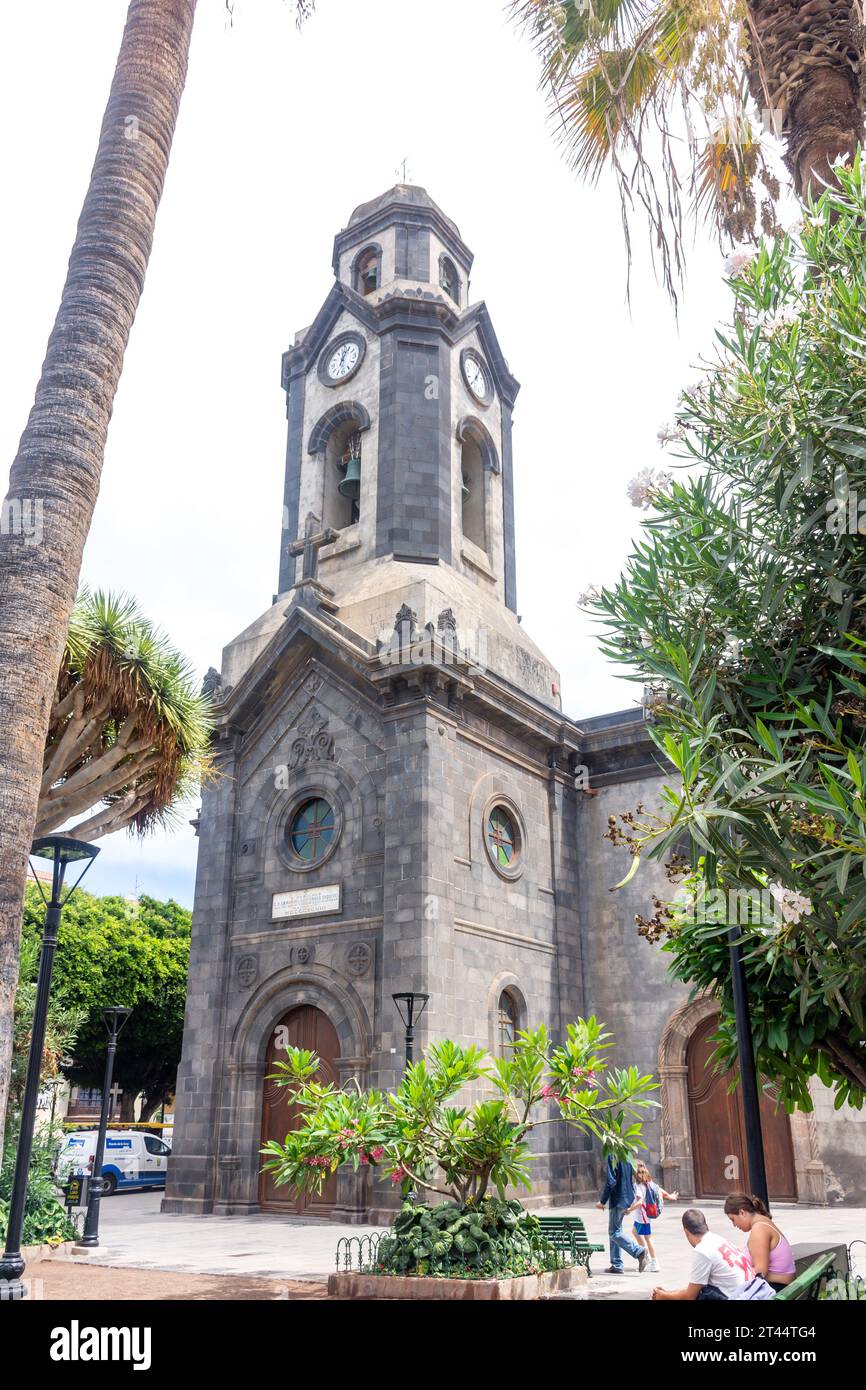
{"x": 63, "y": 850}
{"x": 410, "y": 1006}
{"x": 114, "y": 1019}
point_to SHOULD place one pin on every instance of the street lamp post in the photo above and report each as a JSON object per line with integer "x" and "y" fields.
{"x": 114, "y": 1019}
{"x": 748, "y": 1071}
{"x": 62, "y": 851}
{"x": 745, "y": 1055}
{"x": 410, "y": 1008}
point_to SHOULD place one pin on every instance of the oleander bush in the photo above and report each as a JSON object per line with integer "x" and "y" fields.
{"x": 742, "y": 610}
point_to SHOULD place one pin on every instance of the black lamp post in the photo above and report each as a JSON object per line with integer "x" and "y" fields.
{"x": 62, "y": 851}
{"x": 745, "y": 1055}
{"x": 410, "y": 1008}
{"x": 114, "y": 1019}
{"x": 748, "y": 1071}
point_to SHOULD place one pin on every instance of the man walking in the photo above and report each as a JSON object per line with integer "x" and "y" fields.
{"x": 617, "y": 1195}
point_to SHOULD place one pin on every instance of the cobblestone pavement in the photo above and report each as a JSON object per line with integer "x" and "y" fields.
{"x": 136, "y": 1236}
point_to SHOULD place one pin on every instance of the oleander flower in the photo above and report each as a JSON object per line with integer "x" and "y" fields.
{"x": 793, "y": 906}
{"x": 736, "y": 262}
{"x": 670, "y": 434}
{"x": 646, "y": 485}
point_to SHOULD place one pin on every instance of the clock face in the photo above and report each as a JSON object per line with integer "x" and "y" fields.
{"x": 476, "y": 377}
{"x": 343, "y": 360}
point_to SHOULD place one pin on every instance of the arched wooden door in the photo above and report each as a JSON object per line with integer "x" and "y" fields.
{"x": 302, "y": 1027}
{"x": 718, "y": 1129}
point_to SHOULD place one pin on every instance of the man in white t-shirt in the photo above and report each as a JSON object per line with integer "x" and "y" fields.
{"x": 719, "y": 1269}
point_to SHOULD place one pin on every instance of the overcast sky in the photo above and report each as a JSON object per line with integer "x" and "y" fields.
{"x": 280, "y": 136}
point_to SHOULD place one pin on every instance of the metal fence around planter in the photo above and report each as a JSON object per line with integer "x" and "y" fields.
{"x": 360, "y": 1255}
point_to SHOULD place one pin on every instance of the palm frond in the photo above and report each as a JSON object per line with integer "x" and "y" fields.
{"x": 643, "y": 87}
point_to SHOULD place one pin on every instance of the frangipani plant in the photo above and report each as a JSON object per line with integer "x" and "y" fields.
{"x": 419, "y": 1139}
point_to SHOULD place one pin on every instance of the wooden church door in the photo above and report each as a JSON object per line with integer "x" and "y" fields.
{"x": 719, "y": 1130}
{"x": 305, "y": 1027}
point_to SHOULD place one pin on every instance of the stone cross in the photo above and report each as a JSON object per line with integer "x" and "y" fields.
{"x": 312, "y": 543}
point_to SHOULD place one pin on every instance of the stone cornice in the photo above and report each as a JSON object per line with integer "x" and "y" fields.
{"x": 413, "y": 311}
{"x": 400, "y": 214}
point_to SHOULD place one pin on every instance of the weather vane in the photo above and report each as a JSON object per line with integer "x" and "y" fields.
{"x": 402, "y": 172}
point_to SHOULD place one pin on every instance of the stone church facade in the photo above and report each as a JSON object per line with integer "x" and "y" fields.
{"x": 400, "y": 802}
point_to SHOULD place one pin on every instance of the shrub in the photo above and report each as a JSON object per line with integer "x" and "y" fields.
{"x": 490, "y": 1239}
{"x": 46, "y": 1220}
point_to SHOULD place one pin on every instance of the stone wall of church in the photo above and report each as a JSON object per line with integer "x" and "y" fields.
{"x": 627, "y": 984}
{"x": 483, "y": 933}
{"x": 841, "y": 1145}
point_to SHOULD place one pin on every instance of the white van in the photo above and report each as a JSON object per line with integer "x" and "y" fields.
{"x": 133, "y": 1158}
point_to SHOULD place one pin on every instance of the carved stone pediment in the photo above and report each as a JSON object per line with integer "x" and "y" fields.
{"x": 313, "y": 742}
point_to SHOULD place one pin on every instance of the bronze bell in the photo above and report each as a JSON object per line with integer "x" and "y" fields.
{"x": 350, "y": 485}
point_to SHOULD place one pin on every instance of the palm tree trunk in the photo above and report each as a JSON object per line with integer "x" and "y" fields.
{"x": 56, "y": 473}
{"x": 806, "y": 70}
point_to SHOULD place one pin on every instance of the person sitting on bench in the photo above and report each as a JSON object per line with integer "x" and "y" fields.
{"x": 719, "y": 1270}
{"x": 768, "y": 1249}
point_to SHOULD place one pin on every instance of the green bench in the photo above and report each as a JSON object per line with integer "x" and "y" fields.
{"x": 568, "y": 1233}
{"x": 807, "y": 1285}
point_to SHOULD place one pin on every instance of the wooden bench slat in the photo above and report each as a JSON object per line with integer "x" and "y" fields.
{"x": 569, "y": 1233}
{"x": 810, "y": 1278}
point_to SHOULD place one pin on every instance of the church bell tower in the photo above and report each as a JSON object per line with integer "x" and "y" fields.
{"x": 399, "y": 404}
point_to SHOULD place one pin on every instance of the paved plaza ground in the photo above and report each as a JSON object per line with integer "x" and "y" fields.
{"x": 267, "y": 1256}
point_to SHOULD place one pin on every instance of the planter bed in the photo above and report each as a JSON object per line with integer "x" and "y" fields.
{"x": 404, "y": 1286}
{"x": 63, "y": 1251}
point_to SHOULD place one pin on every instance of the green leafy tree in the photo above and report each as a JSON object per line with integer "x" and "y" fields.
{"x": 62, "y": 1026}
{"x": 415, "y": 1136}
{"x": 115, "y": 952}
{"x": 743, "y": 608}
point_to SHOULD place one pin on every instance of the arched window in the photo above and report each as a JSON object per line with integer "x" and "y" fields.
{"x": 472, "y": 482}
{"x": 342, "y": 503}
{"x": 449, "y": 280}
{"x": 508, "y": 1023}
{"x": 479, "y": 464}
{"x": 338, "y": 440}
{"x": 368, "y": 270}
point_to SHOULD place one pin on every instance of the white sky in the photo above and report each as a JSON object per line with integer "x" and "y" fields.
{"x": 280, "y": 135}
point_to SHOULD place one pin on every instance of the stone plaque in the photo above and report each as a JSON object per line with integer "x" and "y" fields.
{"x": 307, "y": 902}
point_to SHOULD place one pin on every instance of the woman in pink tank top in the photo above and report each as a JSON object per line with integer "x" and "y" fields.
{"x": 768, "y": 1249}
